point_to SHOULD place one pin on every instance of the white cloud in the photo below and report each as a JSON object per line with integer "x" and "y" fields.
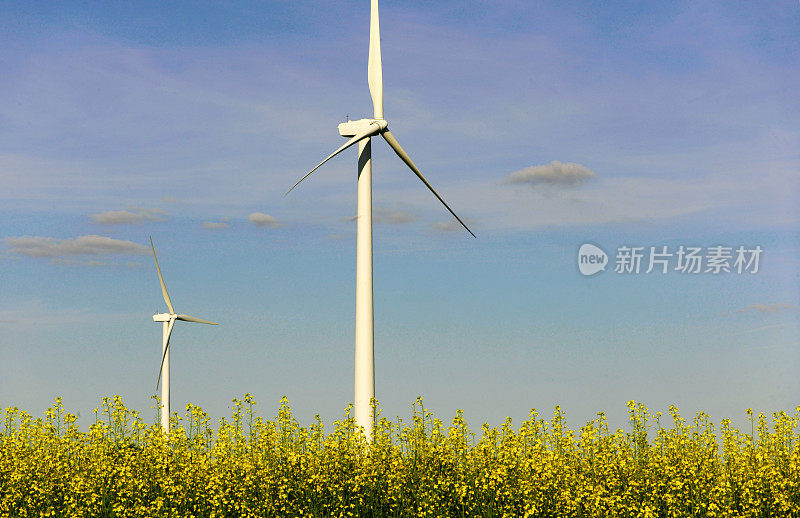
{"x": 554, "y": 173}
{"x": 213, "y": 225}
{"x": 58, "y": 249}
{"x": 260, "y": 219}
{"x": 133, "y": 215}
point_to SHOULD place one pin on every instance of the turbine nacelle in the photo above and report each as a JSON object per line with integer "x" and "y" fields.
{"x": 166, "y": 317}
{"x": 363, "y": 127}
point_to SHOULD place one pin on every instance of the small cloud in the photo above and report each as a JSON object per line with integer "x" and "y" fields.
{"x": 392, "y": 217}
{"x": 260, "y": 219}
{"x": 171, "y": 199}
{"x": 452, "y": 225}
{"x": 446, "y": 226}
{"x": 131, "y": 216}
{"x": 79, "y": 262}
{"x": 766, "y": 309}
{"x": 554, "y": 173}
{"x": 387, "y": 216}
{"x": 61, "y": 250}
{"x": 213, "y": 225}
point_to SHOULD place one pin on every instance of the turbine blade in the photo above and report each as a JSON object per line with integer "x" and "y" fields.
{"x": 405, "y": 158}
{"x": 161, "y": 279}
{"x": 374, "y": 68}
{"x": 195, "y": 319}
{"x": 164, "y": 355}
{"x": 373, "y": 129}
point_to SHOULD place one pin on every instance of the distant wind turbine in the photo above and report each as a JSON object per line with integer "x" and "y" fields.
{"x": 168, "y": 319}
{"x": 361, "y": 131}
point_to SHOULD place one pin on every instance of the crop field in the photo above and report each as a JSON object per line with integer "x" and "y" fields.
{"x": 662, "y": 465}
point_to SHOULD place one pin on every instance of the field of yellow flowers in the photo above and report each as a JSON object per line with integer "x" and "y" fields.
{"x": 249, "y": 466}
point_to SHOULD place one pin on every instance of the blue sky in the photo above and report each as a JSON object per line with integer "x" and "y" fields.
{"x": 678, "y": 123}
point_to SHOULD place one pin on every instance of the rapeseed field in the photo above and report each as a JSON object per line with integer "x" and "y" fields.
{"x": 247, "y": 466}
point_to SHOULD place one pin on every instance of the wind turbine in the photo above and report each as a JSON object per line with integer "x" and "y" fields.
{"x": 168, "y": 320}
{"x": 361, "y": 132}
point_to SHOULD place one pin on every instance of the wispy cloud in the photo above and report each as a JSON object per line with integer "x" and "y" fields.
{"x": 554, "y": 173}
{"x": 767, "y": 309}
{"x": 713, "y": 104}
{"x": 133, "y": 215}
{"x": 392, "y": 216}
{"x": 133, "y": 105}
{"x": 452, "y": 225}
{"x": 260, "y": 219}
{"x": 64, "y": 250}
{"x": 78, "y": 262}
{"x": 38, "y": 313}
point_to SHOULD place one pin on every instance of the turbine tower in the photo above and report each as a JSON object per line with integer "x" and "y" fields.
{"x": 361, "y": 132}
{"x": 168, "y": 320}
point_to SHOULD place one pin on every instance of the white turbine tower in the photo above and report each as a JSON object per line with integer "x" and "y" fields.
{"x": 168, "y": 320}
{"x": 361, "y": 131}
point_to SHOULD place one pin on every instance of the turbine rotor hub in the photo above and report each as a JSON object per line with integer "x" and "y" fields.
{"x": 382, "y": 124}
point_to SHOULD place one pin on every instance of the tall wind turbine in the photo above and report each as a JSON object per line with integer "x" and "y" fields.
{"x": 361, "y": 132}
{"x": 168, "y": 320}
